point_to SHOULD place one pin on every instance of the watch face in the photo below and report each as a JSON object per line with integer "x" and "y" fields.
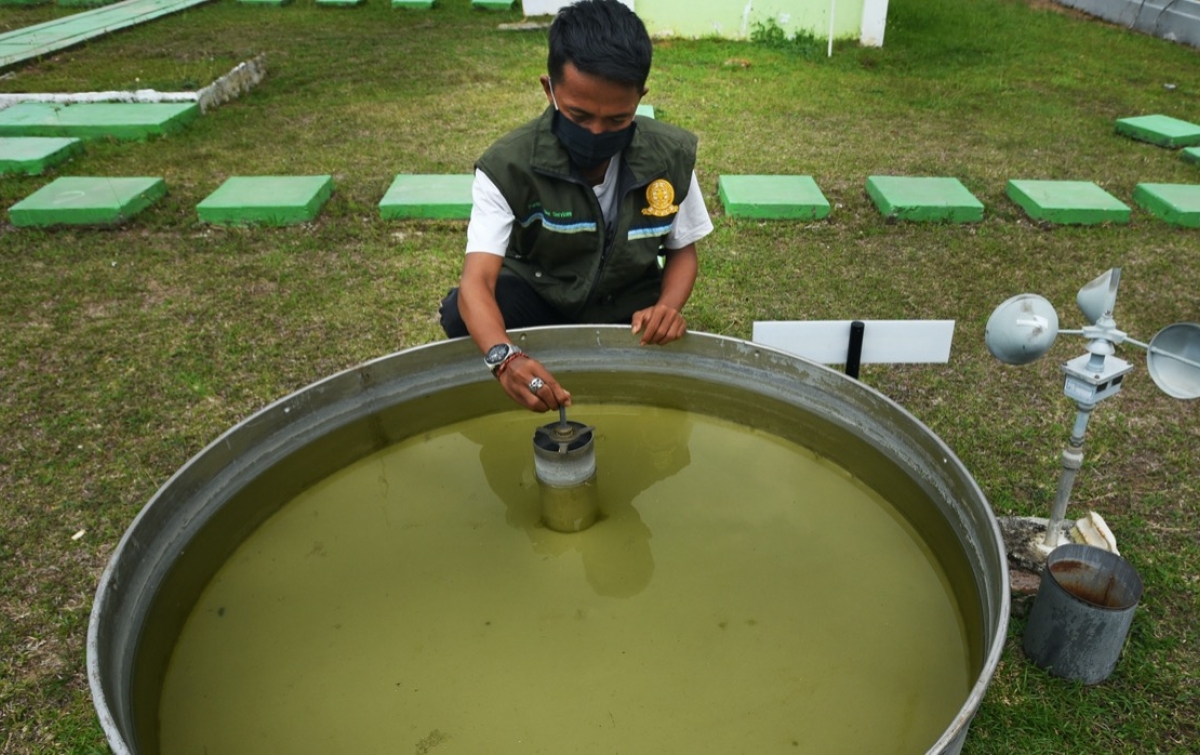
{"x": 497, "y": 353}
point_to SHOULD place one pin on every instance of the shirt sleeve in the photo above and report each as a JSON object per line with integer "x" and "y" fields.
{"x": 491, "y": 218}
{"x": 692, "y": 222}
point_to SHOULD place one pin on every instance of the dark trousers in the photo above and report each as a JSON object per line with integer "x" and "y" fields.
{"x": 519, "y": 304}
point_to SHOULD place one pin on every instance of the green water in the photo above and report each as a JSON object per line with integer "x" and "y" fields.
{"x": 739, "y": 595}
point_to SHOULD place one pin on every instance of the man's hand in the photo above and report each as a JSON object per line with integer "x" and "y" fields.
{"x": 663, "y": 323}
{"x": 516, "y": 380}
{"x": 659, "y": 324}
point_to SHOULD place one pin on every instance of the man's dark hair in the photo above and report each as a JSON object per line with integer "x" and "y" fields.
{"x": 601, "y": 38}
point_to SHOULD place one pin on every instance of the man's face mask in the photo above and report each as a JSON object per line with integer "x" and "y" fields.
{"x": 587, "y": 150}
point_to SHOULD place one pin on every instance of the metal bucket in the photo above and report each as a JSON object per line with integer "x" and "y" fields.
{"x": 214, "y": 502}
{"x": 1082, "y": 613}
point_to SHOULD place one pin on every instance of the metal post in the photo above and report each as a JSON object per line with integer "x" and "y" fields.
{"x": 1072, "y": 460}
{"x": 854, "y": 351}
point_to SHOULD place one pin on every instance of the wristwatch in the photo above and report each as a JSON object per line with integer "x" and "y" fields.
{"x": 499, "y": 354}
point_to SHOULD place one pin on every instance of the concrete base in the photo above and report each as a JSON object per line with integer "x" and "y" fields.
{"x": 492, "y": 4}
{"x": 87, "y": 201}
{"x": 339, "y": 3}
{"x": 1068, "y": 202}
{"x": 1025, "y": 538}
{"x": 1191, "y": 154}
{"x": 1024, "y": 541}
{"x": 118, "y": 120}
{"x": 1177, "y": 204}
{"x": 32, "y": 155}
{"x": 1162, "y": 130}
{"x": 645, "y": 110}
{"x": 414, "y": 4}
{"x": 772, "y": 197}
{"x": 444, "y": 197}
{"x": 266, "y": 200}
{"x": 939, "y": 200}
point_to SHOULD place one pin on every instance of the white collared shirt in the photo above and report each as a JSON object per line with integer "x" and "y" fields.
{"x": 492, "y": 219}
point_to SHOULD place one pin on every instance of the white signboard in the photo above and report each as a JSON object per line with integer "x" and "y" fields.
{"x": 884, "y": 341}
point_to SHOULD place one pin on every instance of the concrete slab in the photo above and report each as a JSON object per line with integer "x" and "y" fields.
{"x": 74, "y": 200}
{"x": 645, "y": 110}
{"x": 42, "y": 39}
{"x": 118, "y": 120}
{"x": 492, "y": 4}
{"x": 266, "y": 200}
{"x": 924, "y": 199}
{"x": 772, "y": 197}
{"x": 340, "y": 3}
{"x": 1191, "y": 154}
{"x": 1068, "y": 202}
{"x": 1178, "y": 204}
{"x": 1162, "y": 130}
{"x": 445, "y": 197}
{"x": 413, "y": 4}
{"x": 32, "y": 155}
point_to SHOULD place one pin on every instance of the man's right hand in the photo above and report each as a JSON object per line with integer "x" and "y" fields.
{"x": 477, "y": 305}
{"x": 517, "y": 379}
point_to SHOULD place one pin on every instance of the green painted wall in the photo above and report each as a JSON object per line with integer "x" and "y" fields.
{"x": 735, "y": 19}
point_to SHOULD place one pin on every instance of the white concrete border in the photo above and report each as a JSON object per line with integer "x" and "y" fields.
{"x": 241, "y": 79}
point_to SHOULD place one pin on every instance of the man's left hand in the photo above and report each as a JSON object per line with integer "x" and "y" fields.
{"x": 659, "y": 324}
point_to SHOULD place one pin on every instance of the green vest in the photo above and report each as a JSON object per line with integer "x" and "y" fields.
{"x": 559, "y": 243}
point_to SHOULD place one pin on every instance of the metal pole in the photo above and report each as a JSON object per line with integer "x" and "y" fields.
{"x": 1160, "y": 352}
{"x": 832, "y": 5}
{"x": 1072, "y": 460}
{"x": 854, "y": 350}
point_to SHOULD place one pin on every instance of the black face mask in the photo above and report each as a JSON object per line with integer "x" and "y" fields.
{"x": 588, "y": 150}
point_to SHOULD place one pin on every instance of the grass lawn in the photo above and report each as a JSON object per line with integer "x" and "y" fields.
{"x": 125, "y": 351}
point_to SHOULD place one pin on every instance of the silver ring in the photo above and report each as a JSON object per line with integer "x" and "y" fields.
{"x": 536, "y": 385}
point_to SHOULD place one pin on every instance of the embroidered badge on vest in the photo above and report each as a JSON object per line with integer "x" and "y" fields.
{"x": 661, "y": 196}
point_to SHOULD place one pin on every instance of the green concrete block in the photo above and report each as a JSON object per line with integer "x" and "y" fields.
{"x": 339, "y": 3}
{"x": 1191, "y": 154}
{"x": 119, "y": 120}
{"x": 414, "y": 4}
{"x": 32, "y": 155}
{"x": 1162, "y": 130}
{"x": 41, "y": 40}
{"x": 1178, "y": 204}
{"x": 445, "y": 197}
{"x": 266, "y": 200}
{"x": 645, "y": 110}
{"x": 492, "y": 4}
{"x": 73, "y": 200}
{"x": 938, "y": 200}
{"x": 1068, "y": 202}
{"x": 772, "y": 197}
